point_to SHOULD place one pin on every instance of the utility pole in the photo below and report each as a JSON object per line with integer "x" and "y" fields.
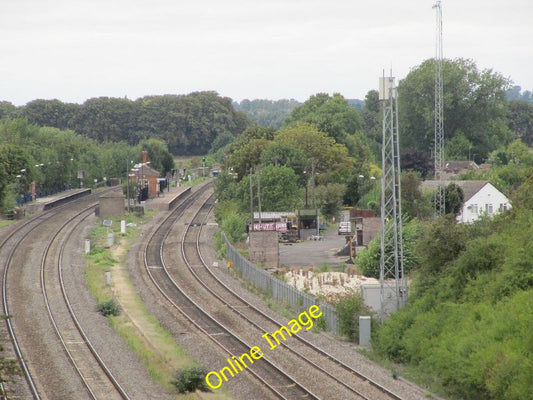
{"x": 259, "y": 192}
{"x": 128, "y": 183}
{"x": 393, "y": 285}
{"x": 251, "y": 203}
{"x": 439, "y": 117}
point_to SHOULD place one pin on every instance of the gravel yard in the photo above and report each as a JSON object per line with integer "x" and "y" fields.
{"x": 313, "y": 253}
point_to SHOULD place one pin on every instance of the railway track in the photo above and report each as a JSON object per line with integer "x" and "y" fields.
{"x": 357, "y": 384}
{"x": 96, "y": 377}
{"x": 58, "y": 225}
{"x": 277, "y": 381}
{"x": 353, "y": 384}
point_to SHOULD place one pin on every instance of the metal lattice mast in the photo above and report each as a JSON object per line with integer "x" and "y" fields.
{"x": 439, "y": 117}
{"x": 393, "y": 291}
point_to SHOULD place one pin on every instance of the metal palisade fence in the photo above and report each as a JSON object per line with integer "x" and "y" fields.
{"x": 279, "y": 290}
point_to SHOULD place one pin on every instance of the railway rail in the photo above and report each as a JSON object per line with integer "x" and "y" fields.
{"x": 277, "y": 381}
{"x": 353, "y": 385}
{"x": 359, "y": 385}
{"x": 60, "y": 311}
{"x": 93, "y": 372}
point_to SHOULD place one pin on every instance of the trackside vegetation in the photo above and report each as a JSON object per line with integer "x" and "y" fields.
{"x": 165, "y": 361}
{"x": 466, "y": 330}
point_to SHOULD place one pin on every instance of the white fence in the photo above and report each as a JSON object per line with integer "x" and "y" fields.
{"x": 278, "y": 290}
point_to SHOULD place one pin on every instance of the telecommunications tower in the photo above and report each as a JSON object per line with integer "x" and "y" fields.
{"x": 393, "y": 292}
{"x": 439, "y": 117}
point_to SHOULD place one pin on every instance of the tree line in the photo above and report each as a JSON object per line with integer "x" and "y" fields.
{"x": 186, "y": 123}
{"x": 482, "y": 112}
{"x": 52, "y": 158}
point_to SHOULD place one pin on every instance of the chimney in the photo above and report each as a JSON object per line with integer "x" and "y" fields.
{"x": 145, "y": 156}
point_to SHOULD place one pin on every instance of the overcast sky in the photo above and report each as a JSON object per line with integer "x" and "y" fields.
{"x": 73, "y": 50}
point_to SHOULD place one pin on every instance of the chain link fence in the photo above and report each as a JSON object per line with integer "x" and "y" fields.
{"x": 279, "y": 290}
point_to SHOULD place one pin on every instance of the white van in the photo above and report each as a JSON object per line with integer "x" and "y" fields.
{"x": 345, "y": 228}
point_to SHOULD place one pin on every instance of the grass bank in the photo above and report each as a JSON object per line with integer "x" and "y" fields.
{"x": 142, "y": 331}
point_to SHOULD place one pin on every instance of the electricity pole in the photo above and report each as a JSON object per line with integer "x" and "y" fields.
{"x": 251, "y": 202}
{"x": 439, "y": 117}
{"x": 393, "y": 284}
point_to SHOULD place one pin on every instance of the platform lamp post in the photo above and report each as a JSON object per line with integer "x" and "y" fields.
{"x": 135, "y": 170}
{"x": 21, "y": 186}
{"x": 40, "y": 166}
{"x": 373, "y": 179}
{"x": 306, "y": 189}
{"x": 362, "y": 200}
{"x": 128, "y": 164}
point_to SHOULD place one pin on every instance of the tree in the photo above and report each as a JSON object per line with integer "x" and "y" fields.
{"x": 521, "y": 120}
{"x": 267, "y": 112}
{"x": 329, "y": 198}
{"x": 7, "y": 110}
{"x": 474, "y": 104}
{"x": 246, "y": 150}
{"x": 222, "y": 140}
{"x": 414, "y": 204}
{"x": 279, "y": 153}
{"x": 372, "y": 122}
{"x": 160, "y": 159}
{"x": 254, "y": 132}
{"x": 332, "y": 115}
{"x": 225, "y": 186}
{"x": 359, "y": 149}
{"x": 416, "y": 159}
{"x": 279, "y": 189}
{"x": 369, "y": 259}
{"x": 454, "y": 199}
{"x": 188, "y": 124}
{"x": 323, "y": 154}
{"x": 247, "y": 156}
{"x": 52, "y": 113}
{"x": 106, "y": 119}
{"x": 15, "y": 165}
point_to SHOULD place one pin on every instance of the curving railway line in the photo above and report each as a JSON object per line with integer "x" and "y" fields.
{"x": 193, "y": 289}
{"x": 359, "y": 385}
{"x": 82, "y": 373}
{"x": 56, "y": 353}
{"x": 277, "y": 381}
{"x": 96, "y": 377}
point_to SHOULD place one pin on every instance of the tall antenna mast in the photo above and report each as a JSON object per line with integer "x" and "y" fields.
{"x": 439, "y": 117}
{"x": 393, "y": 292}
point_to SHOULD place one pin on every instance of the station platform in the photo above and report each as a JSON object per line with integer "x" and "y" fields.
{"x": 167, "y": 199}
{"x": 47, "y": 202}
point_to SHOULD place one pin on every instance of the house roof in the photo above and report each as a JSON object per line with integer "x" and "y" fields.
{"x": 460, "y": 165}
{"x": 272, "y": 214}
{"x": 147, "y": 170}
{"x": 470, "y": 188}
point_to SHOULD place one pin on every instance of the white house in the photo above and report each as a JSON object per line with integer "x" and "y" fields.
{"x": 480, "y": 198}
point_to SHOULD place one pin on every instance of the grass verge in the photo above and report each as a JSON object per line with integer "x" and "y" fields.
{"x": 142, "y": 331}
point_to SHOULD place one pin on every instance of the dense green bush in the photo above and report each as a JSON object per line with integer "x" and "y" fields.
{"x": 190, "y": 379}
{"x": 466, "y": 329}
{"x": 349, "y": 308}
{"x": 107, "y": 308}
{"x": 368, "y": 260}
{"x": 234, "y": 226}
